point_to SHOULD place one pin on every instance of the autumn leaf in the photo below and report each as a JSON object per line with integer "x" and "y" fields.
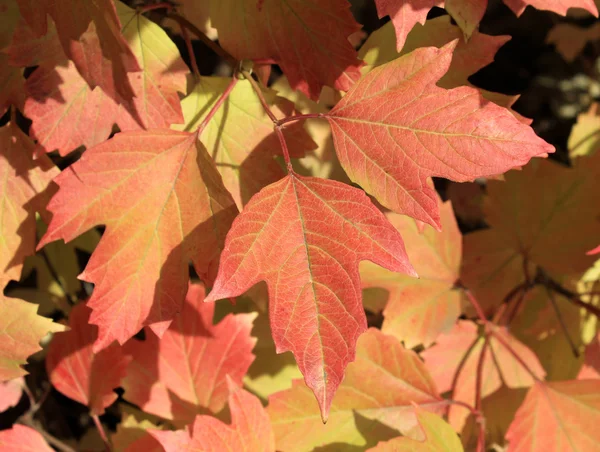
{"x": 163, "y": 204}
{"x": 22, "y": 438}
{"x": 439, "y": 436}
{"x": 133, "y": 436}
{"x": 240, "y": 136}
{"x": 584, "y": 138}
{"x": 420, "y": 309}
{"x": 558, "y": 416}
{"x": 570, "y": 40}
{"x": 460, "y": 351}
{"x": 21, "y": 330}
{"x": 591, "y": 365}
{"x": 558, "y": 6}
{"x": 373, "y": 402}
{"x": 396, "y": 128}
{"x": 77, "y": 372}
{"x": 26, "y": 188}
{"x": 305, "y": 237}
{"x": 185, "y": 371}
{"x": 10, "y": 393}
{"x": 250, "y": 429}
{"x": 286, "y": 32}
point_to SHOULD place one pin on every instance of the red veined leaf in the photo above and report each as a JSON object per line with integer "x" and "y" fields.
{"x": 21, "y": 438}
{"x": 29, "y": 49}
{"x": 305, "y": 237}
{"x": 445, "y": 359}
{"x": 558, "y": 416}
{"x": 26, "y": 189}
{"x": 21, "y": 330}
{"x": 163, "y": 203}
{"x": 420, "y": 309}
{"x": 10, "y": 393}
{"x": 133, "y": 436}
{"x": 289, "y": 31}
{"x": 185, "y": 371}
{"x": 90, "y": 36}
{"x": 250, "y": 429}
{"x": 77, "y": 372}
{"x": 396, "y": 128}
{"x": 379, "y": 389}
{"x": 438, "y": 436}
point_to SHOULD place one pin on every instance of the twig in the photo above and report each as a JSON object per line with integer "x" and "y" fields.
{"x": 217, "y": 105}
{"x": 572, "y": 296}
{"x": 561, "y": 321}
{"x": 190, "y": 49}
{"x": 102, "y": 432}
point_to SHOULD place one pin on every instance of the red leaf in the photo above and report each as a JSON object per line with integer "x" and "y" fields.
{"x": 10, "y": 393}
{"x": 77, "y": 372}
{"x": 396, "y": 128}
{"x": 289, "y": 31}
{"x": 558, "y": 6}
{"x": 305, "y": 237}
{"x": 250, "y": 429}
{"x": 185, "y": 371}
{"x": 558, "y": 416}
{"x": 163, "y": 204}
{"x": 21, "y": 438}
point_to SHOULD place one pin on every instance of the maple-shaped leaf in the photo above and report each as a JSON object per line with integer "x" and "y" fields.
{"x": 468, "y": 56}
{"x": 29, "y": 49}
{"x": 373, "y": 403}
{"x": 558, "y": 416}
{"x": 77, "y": 372}
{"x": 250, "y": 429}
{"x": 396, "y": 128}
{"x": 132, "y": 436}
{"x": 90, "y": 36}
{"x": 163, "y": 204}
{"x": 558, "y": 6}
{"x": 524, "y": 228}
{"x": 420, "y": 309}
{"x": 185, "y": 371}
{"x": 460, "y": 351}
{"x": 247, "y": 164}
{"x": 305, "y": 237}
{"x": 26, "y": 189}
{"x": 439, "y": 436}
{"x": 21, "y": 330}
{"x": 584, "y": 138}
{"x": 12, "y": 86}
{"x": 21, "y": 438}
{"x": 10, "y": 393}
{"x": 307, "y": 38}
{"x": 570, "y": 39}
{"x": 591, "y": 364}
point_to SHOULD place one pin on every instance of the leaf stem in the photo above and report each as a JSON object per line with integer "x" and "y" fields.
{"x": 299, "y": 118}
{"x": 102, "y": 432}
{"x": 561, "y": 321}
{"x": 217, "y": 105}
{"x": 145, "y": 8}
{"x": 478, "y": 388}
{"x": 286, "y": 152}
{"x": 475, "y": 305}
{"x": 257, "y": 89}
{"x": 190, "y": 49}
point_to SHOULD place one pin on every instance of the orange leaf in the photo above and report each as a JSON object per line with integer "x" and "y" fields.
{"x": 21, "y": 438}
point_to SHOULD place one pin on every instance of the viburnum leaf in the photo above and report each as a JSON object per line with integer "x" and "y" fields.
{"x": 133, "y": 436}
{"x": 420, "y": 309}
{"x": 163, "y": 204}
{"x": 526, "y": 227}
{"x": 21, "y": 438}
{"x": 186, "y": 371}
{"x": 439, "y": 436}
{"x": 288, "y": 31}
{"x": 10, "y": 393}
{"x": 445, "y": 359}
{"x": 77, "y": 372}
{"x": 21, "y": 330}
{"x": 26, "y": 189}
{"x": 90, "y": 36}
{"x": 396, "y": 128}
{"x": 247, "y": 164}
{"x": 250, "y": 429}
{"x": 305, "y": 237}
{"x": 468, "y": 56}
{"x": 373, "y": 403}
{"x": 558, "y": 416}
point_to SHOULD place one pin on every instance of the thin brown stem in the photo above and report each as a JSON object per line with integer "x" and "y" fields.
{"x": 217, "y": 105}
{"x": 102, "y": 432}
{"x": 161, "y": 5}
{"x": 475, "y": 305}
{"x": 190, "y": 49}
{"x": 283, "y": 121}
{"x": 257, "y": 89}
{"x": 571, "y": 296}
{"x": 461, "y": 365}
{"x": 284, "y": 148}
{"x": 561, "y": 321}
{"x": 478, "y": 390}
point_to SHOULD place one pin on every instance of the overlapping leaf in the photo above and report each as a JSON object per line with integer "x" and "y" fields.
{"x": 163, "y": 204}
{"x": 584, "y": 138}
{"x": 396, "y": 128}
{"x": 250, "y": 429}
{"x": 80, "y": 374}
{"x": 558, "y": 416}
{"x": 460, "y": 351}
{"x": 305, "y": 238}
{"x": 289, "y": 31}
{"x": 21, "y": 330}
{"x": 372, "y": 404}
{"x": 133, "y": 436}
{"x": 185, "y": 371}
{"x": 20, "y": 438}
{"x": 591, "y": 365}
{"x": 10, "y": 393}
{"x": 240, "y": 136}
{"x": 420, "y": 309}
